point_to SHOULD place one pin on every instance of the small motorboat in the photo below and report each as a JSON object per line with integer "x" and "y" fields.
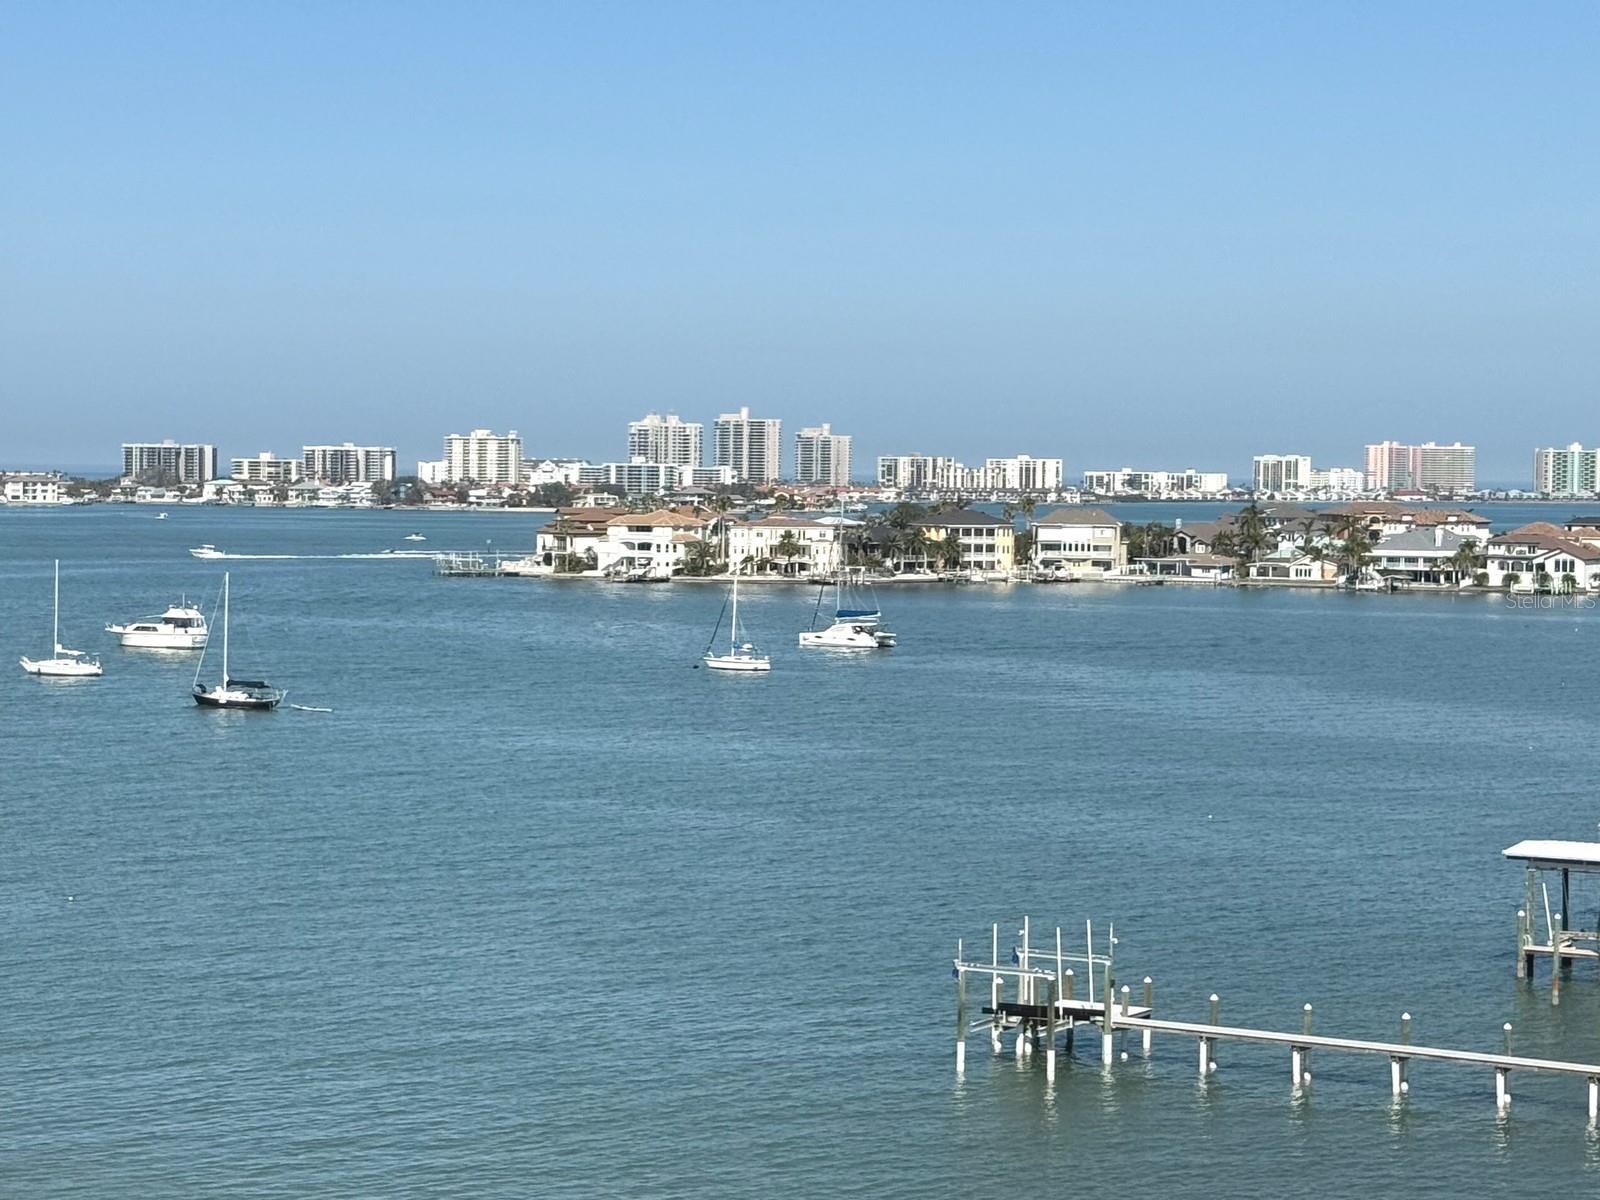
{"x": 206, "y": 551}
{"x": 416, "y": 537}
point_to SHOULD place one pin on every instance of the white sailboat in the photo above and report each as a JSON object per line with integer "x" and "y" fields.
{"x": 251, "y": 695}
{"x": 856, "y": 623}
{"x": 70, "y": 664}
{"x": 741, "y": 656}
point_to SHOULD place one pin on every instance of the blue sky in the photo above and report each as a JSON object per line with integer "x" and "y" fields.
{"x": 1149, "y": 234}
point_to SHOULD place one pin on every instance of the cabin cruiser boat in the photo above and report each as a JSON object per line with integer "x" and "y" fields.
{"x": 207, "y": 551}
{"x": 179, "y": 628}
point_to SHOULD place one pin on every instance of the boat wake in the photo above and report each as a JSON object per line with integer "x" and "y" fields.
{"x": 210, "y": 552}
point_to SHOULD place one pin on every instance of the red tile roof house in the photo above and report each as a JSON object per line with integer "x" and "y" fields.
{"x": 1519, "y": 558}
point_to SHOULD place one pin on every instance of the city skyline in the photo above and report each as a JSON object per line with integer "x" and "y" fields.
{"x": 1115, "y": 237}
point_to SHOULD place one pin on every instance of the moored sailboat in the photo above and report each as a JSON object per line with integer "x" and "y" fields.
{"x": 741, "y": 656}
{"x": 251, "y": 695}
{"x": 64, "y": 663}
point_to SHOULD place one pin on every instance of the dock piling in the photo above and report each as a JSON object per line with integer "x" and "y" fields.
{"x": 1557, "y": 930}
{"x": 1208, "y": 1046}
{"x": 961, "y": 1015}
{"x": 1502, "y": 1075}
{"x": 1522, "y": 940}
{"x": 1399, "y": 1064}
{"x": 1149, "y": 1004}
{"x": 1594, "y": 1099}
{"x": 1109, "y": 1021}
{"x": 1050, "y": 1032}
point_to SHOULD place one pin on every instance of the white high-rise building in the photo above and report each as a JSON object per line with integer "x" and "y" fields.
{"x": 822, "y": 456}
{"x": 1024, "y": 473}
{"x": 266, "y": 468}
{"x": 1572, "y": 471}
{"x": 483, "y": 457}
{"x": 1282, "y": 472}
{"x": 1429, "y": 467}
{"x": 938, "y": 473}
{"x": 169, "y": 461}
{"x": 1130, "y": 482}
{"x": 658, "y": 439}
{"x": 1337, "y": 479}
{"x": 752, "y": 446}
{"x": 348, "y": 463}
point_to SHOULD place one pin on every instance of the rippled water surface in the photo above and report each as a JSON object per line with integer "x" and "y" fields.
{"x": 541, "y": 910}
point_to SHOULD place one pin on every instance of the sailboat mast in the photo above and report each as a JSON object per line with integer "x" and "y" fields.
{"x": 733, "y": 625}
{"x": 225, "y": 629}
{"x": 55, "y": 617}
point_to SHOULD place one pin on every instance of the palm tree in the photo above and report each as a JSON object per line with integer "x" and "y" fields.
{"x": 902, "y": 515}
{"x": 1026, "y": 506}
{"x": 700, "y": 559}
{"x": 1023, "y": 547}
{"x": 1253, "y": 536}
{"x": 1157, "y": 540}
{"x": 1467, "y": 560}
{"x": 1354, "y": 542}
{"x": 788, "y": 549}
{"x": 928, "y": 543}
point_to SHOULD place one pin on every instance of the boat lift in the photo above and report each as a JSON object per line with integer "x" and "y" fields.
{"x": 1564, "y": 938}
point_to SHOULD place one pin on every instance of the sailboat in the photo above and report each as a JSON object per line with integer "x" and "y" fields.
{"x": 72, "y": 664}
{"x": 250, "y": 694}
{"x": 741, "y": 656}
{"x": 855, "y": 621}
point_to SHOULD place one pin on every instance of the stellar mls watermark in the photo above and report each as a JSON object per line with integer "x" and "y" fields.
{"x": 1550, "y": 600}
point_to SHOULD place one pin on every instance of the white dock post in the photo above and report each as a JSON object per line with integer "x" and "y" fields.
{"x": 1594, "y": 1099}
{"x": 1066, "y": 986}
{"x": 1556, "y": 928}
{"x": 1025, "y": 989}
{"x": 1059, "y": 984}
{"x": 1208, "y": 1045}
{"x": 1305, "y": 1056}
{"x": 1109, "y": 1020}
{"x": 961, "y": 1014}
{"x": 1502, "y": 1075}
{"x": 1399, "y": 1064}
{"x": 1149, "y": 1005}
{"x": 1050, "y": 1029}
{"x": 994, "y": 986}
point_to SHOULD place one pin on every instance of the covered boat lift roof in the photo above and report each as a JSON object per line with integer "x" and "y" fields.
{"x": 1548, "y": 855}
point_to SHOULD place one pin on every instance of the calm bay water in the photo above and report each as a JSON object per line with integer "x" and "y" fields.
{"x": 541, "y": 910}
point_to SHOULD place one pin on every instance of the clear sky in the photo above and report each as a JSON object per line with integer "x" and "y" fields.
{"x": 1148, "y": 234}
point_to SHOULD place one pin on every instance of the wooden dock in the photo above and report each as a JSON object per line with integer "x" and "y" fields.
{"x": 1045, "y": 1007}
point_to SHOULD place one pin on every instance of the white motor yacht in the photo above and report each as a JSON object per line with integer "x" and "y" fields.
{"x": 207, "y": 551}
{"x": 179, "y": 628}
